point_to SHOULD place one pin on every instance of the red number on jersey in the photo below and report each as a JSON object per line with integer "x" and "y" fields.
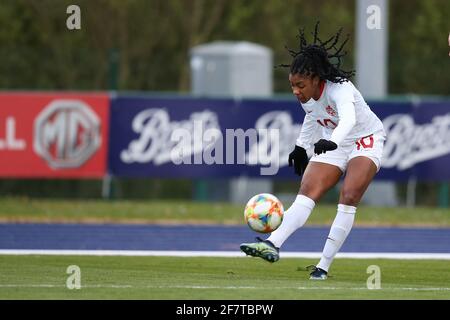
{"x": 328, "y": 123}
{"x": 365, "y": 142}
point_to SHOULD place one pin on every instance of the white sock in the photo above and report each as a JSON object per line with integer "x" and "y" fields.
{"x": 340, "y": 228}
{"x": 294, "y": 218}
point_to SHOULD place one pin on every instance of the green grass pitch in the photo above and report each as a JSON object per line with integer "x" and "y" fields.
{"x": 14, "y": 209}
{"x": 167, "y": 278}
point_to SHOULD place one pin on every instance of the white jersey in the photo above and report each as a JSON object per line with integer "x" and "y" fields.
{"x": 341, "y": 113}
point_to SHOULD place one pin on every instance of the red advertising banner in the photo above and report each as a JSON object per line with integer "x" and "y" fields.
{"x": 53, "y": 135}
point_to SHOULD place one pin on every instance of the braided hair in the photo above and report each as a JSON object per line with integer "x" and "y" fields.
{"x": 314, "y": 59}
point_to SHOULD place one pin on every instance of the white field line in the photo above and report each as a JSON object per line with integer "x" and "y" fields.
{"x": 221, "y": 287}
{"x": 231, "y": 254}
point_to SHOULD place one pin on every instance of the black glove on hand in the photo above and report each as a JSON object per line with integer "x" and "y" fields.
{"x": 323, "y": 146}
{"x": 300, "y": 159}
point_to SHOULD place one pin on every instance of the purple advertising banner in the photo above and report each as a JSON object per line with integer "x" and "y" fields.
{"x": 217, "y": 138}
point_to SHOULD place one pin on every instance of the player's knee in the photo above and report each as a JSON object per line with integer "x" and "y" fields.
{"x": 312, "y": 190}
{"x": 350, "y": 197}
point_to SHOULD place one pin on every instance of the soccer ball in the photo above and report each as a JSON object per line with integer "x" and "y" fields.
{"x": 264, "y": 213}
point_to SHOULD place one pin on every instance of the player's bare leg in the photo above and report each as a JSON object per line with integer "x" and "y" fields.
{"x": 317, "y": 180}
{"x": 360, "y": 172}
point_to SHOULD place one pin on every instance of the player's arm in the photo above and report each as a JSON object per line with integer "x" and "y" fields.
{"x": 307, "y": 131}
{"x": 299, "y": 157}
{"x": 347, "y": 116}
{"x": 344, "y": 102}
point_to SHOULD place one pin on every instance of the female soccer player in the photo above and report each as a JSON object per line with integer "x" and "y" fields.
{"x": 352, "y": 139}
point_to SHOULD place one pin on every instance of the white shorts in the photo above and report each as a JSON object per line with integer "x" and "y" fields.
{"x": 370, "y": 147}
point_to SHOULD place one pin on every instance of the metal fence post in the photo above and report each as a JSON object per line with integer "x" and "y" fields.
{"x": 113, "y": 80}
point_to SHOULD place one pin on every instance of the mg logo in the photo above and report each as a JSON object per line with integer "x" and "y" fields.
{"x": 66, "y": 133}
